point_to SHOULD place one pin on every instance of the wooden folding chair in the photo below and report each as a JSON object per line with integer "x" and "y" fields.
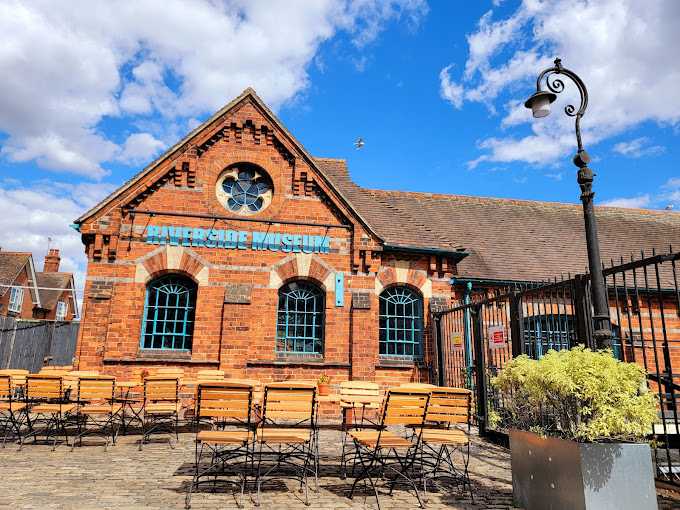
{"x": 448, "y": 407}
{"x": 11, "y": 411}
{"x": 384, "y": 451}
{"x": 230, "y": 442}
{"x": 98, "y": 408}
{"x": 161, "y": 407}
{"x": 359, "y": 402}
{"x": 287, "y": 434}
{"x": 44, "y": 397}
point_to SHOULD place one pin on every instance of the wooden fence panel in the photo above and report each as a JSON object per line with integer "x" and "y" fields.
{"x": 30, "y": 345}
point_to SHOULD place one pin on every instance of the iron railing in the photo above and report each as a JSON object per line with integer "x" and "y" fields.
{"x": 644, "y": 299}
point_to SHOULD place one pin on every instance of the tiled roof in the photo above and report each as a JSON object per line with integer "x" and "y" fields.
{"x": 518, "y": 240}
{"x": 50, "y": 281}
{"x": 11, "y": 264}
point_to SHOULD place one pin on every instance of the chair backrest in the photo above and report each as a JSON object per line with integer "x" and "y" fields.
{"x": 359, "y": 388}
{"x": 158, "y": 387}
{"x": 49, "y": 368}
{"x": 74, "y": 375}
{"x": 231, "y": 402}
{"x": 289, "y": 402}
{"x": 450, "y": 405}
{"x": 170, "y": 371}
{"x": 6, "y": 387}
{"x": 65, "y": 367}
{"x": 257, "y": 385}
{"x": 96, "y": 387}
{"x": 426, "y": 386}
{"x": 405, "y": 406}
{"x": 210, "y": 375}
{"x": 18, "y": 376}
{"x": 43, "y": 387}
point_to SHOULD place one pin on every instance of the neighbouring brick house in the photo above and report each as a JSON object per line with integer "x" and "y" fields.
{"x": 28, "y": 294}
{"x": 238, "y": 250}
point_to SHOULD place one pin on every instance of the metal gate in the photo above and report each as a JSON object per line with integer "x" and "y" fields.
{"x": 644, "y": 301}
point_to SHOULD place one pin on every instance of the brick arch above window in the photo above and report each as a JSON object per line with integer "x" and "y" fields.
{"x": 403, "y": 272}
{"x": 172, "y": 259}
{"x": 302, "y": 266}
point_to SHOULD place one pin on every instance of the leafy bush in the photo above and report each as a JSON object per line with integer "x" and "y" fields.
{"x": 577, "y": 394}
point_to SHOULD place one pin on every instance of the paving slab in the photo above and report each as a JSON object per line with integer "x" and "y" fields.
{"x": 159, "y": 477}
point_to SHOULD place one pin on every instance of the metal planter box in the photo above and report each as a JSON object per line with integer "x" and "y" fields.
{"x": 554, "y": 474}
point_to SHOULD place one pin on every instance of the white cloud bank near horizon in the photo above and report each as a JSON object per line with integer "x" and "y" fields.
{"x": 623, "y": 50}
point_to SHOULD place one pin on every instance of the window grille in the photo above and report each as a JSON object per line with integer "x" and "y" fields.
{"x": 401, "y": 322}
{"x": 16, "y": 299}
{"x": 300, "y": 318}
{"x": 62, "y": 310}
{"x": 169, "y": 312}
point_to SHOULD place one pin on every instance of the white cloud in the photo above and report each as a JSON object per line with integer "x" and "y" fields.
{"x": 67, "y": 66}
{"x": 636, "y": 149}
{"x": 140, "y": 148}
{"x": 28, "y": 216}
{"x": 623, "y": 51}
{"x": 450, "y": 91}
{"x": 634, "y": 203}
{"x": 557, "y": 176}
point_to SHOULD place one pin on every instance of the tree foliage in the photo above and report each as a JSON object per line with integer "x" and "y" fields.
{"x": 577, "y": 394}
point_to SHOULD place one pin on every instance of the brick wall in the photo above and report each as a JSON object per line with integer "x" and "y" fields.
{"x": 236, "y": 309}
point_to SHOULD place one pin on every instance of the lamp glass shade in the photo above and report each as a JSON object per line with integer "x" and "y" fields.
{"x": 540, "y": 106}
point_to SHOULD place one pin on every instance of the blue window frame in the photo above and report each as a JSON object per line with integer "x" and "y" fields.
{"x": 246, "y": 191}
{"x": 169, "y": 312}
{"x": 556, "y": 332}
{"x": 300, "y": 318}
{"x": 401, "y": 322}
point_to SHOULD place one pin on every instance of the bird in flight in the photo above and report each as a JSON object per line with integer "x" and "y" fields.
{"x": 668, "y": 207}
{"x": 359, "y": 143}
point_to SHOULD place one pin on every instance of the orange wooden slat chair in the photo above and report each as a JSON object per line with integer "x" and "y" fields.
{"x": 359, "y": 403}
{"x": 161, "y": 407}
{"x": 381, "y": 452}
{"x": 287, "y": 434}
{"x": 448, "y": 407}
{"x": 46, "y": 397}
{"x": 11, "y": 410}
{"x": 97, "y": 406}
{"x": 229, "y": 406}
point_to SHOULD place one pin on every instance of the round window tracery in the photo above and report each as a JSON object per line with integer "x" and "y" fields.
{"x": 244, "y": 189}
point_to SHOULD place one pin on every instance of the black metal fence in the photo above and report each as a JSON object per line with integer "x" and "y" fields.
{"x": 30, "y": 345}
{"x": 644, "y": 302}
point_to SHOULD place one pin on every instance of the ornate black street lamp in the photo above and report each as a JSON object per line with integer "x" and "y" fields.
{"x": 539, "y": 103}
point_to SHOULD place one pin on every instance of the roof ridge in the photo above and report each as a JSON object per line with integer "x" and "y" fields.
{"x": 508, "y": 199}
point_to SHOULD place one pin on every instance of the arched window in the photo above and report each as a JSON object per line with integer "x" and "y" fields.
{"x": 401, "y": 322}
{"x": 169, "y": 311}
{"x": 300, "y": 318}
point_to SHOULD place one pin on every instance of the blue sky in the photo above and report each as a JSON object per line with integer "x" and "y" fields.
{"x": 93, "y": 91}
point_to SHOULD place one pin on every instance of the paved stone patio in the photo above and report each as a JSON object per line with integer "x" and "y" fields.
{"x": 159, "y": 477}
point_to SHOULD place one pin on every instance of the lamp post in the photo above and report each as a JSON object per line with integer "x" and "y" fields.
{"x": 539, "y": 103}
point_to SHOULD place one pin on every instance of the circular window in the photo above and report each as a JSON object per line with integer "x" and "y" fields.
{"x": 244, "y": 189}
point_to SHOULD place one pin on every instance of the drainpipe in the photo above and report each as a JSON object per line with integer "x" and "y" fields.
{"x": 468, "y": 342}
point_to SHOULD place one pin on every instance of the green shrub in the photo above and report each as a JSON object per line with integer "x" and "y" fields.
{"x": 577, "y": 394}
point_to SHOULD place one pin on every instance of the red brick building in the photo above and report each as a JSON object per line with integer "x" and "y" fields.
{"x": 238, "y": 250}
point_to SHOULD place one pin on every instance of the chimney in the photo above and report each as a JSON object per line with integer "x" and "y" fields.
{"x": 52, "y": 262}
